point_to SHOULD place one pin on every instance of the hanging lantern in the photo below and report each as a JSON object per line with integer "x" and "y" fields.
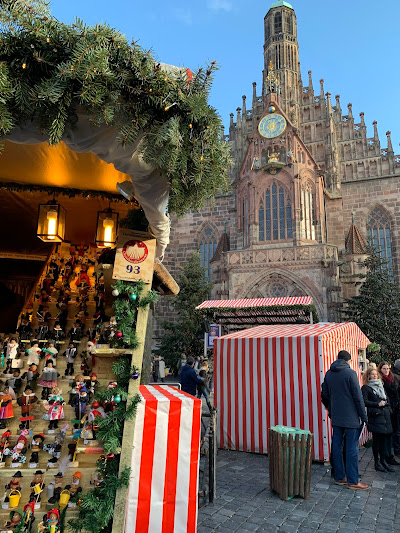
{"x": 107, "y": 227}
{"x": 51, "y": 222}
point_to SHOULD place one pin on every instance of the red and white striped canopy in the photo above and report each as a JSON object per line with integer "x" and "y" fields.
{"x": 259, "y": 310}
{"x": 245, "y": 303}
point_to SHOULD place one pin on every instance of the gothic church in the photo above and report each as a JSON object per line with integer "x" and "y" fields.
{"x": 309, "y": 188}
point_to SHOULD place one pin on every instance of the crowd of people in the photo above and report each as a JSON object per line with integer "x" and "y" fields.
{"x": 195, "y": 376}
{"x": 375, "y": 404}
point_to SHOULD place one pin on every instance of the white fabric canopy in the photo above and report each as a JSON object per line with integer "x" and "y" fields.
{"x": 151, "y": 189}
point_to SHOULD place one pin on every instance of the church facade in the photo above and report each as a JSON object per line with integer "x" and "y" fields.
{"x": 309, "y": 189}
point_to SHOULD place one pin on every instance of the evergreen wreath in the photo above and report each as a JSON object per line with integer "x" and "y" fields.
{"x": 51, "y": 71}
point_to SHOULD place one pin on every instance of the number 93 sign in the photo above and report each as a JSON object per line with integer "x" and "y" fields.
{"x": 134, "y": 259}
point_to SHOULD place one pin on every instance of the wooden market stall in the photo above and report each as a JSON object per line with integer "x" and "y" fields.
{"x": 272, "y": 374}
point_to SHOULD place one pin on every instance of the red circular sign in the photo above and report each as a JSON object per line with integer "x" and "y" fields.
{"x": 135, "y": 251}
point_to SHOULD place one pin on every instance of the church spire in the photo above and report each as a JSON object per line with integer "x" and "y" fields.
{"x": 282, "y": 50}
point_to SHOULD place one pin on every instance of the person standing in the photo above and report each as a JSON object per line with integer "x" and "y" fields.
{"x": 161, "y": 368}
{"x": 203, "y": 389}
{"x": 188, "y": 377}
{"x": 392, "y": 392}
{"x": 379, "y": 422}
{"x": 341, "y": 395}
{"x": 156, "y": 369}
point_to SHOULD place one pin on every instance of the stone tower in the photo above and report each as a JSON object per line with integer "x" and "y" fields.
{"x": 304, "y": 202}
{"x": 281, "y": 50}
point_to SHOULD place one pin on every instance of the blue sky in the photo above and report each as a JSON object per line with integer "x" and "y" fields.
{"x": 353, "y": 45}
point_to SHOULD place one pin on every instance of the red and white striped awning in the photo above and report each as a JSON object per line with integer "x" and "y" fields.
{"x": 245, "y": 303}
{"x": 260, "y": 310}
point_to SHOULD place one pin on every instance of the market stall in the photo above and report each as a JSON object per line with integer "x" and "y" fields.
{"x": 272, "y": 375}
{"x": 162, "y": 494}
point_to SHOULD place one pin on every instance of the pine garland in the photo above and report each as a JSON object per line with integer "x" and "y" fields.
{"x": 97, "y": 506}
{"x": 126, "y": 305}
{"x": 49, "y": 71}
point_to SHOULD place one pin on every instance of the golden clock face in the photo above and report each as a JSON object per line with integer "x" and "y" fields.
{"x": 272, "y": 126}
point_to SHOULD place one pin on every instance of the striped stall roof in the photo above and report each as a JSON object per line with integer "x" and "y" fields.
{"x": 255, "y": 302}
{"x": 346, "y": 331}
{"x": 253, "y": 311}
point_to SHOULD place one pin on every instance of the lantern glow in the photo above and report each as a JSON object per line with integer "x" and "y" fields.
{"x": 107, "y": 227}
{"x": 51, "y": 222}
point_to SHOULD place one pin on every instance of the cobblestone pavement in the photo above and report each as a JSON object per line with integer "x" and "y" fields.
{"x": 244, "y": 502}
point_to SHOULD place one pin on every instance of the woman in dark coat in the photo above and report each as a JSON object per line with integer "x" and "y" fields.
{"x": 379, "y": 422}
{"x": 391, "y": 389}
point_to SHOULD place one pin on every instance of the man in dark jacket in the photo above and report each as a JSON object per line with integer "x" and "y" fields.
{"x": 341, "y": 395}
{"x": 188, "y": 377}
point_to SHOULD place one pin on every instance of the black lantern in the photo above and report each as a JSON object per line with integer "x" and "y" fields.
{"x": 107, "y": 227}
{"x": 51, "y": 222}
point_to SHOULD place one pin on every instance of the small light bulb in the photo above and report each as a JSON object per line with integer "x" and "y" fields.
{"x": 24, "y": 66}
{"x": 190, "y": 126}
{"x": 48, "y": 40}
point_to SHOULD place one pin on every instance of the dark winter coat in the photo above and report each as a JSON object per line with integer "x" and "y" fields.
{"x": 189, "y": 379}
{"x": 392, "y": 393}
{"x": 341, "y": 394}
{"x": 205, "y": 384}
{"x": 379, "y": 420}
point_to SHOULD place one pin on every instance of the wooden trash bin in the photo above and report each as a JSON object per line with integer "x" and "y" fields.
{"x": 290, "y": 454}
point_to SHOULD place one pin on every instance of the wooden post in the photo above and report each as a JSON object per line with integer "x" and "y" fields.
{"x": 212, "y": 458}
{"x": 129, "y": 426}
{"x": 296, "y": 464}
{"x": 284, "y": 484}
{"x": 307, "y": 482}
{"x": 291, "y": 473}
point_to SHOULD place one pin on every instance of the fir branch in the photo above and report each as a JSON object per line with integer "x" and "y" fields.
{"x": 43, "y": 62}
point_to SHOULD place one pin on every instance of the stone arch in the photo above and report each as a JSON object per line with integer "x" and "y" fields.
{"x": 260, "y": 280}
{"x": 381, "y": 207}
{"x": 202, "y": 231}
{"x": 379, "y": 230}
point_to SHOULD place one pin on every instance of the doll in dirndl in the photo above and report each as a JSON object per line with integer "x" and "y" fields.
{"x": 55, "y": 408}
{"x": 48, "y": 379}
{"x": 6, "y": 409}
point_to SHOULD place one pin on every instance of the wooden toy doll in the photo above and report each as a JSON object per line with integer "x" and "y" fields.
{"x": 37, "y": 486}
{"x": 11, "y": 353}
{"x": 33, "y": 353}
{"x": 55, "y": 408}
{"x": 15, "y": 520}
{"x": 36, "y": 446}
{"x": 26, "y": 401}
{"x": 6, "y": 409}
{"x": 31, "y": 376}
{"x": 57, "y": 335}
{"x": 74, "y": 487}
{"x": 48, "y": 379}
{"x": 15, "y": 482}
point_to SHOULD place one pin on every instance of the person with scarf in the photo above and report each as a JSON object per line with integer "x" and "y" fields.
{"x": 392, "y": 392}
{"x": 379, "y": 421}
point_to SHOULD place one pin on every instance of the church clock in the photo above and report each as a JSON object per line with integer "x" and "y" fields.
{"x": 272, "y": 125}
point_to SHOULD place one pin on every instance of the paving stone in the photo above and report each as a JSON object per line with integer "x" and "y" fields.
{"x": 245, "y": 502}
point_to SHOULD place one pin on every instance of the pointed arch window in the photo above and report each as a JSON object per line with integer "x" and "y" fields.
{"x": 307, "y": 212}
{"x": 275, "y": 215}
{"x": 379, "y": 235}
{"x": 208, "y": 245}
